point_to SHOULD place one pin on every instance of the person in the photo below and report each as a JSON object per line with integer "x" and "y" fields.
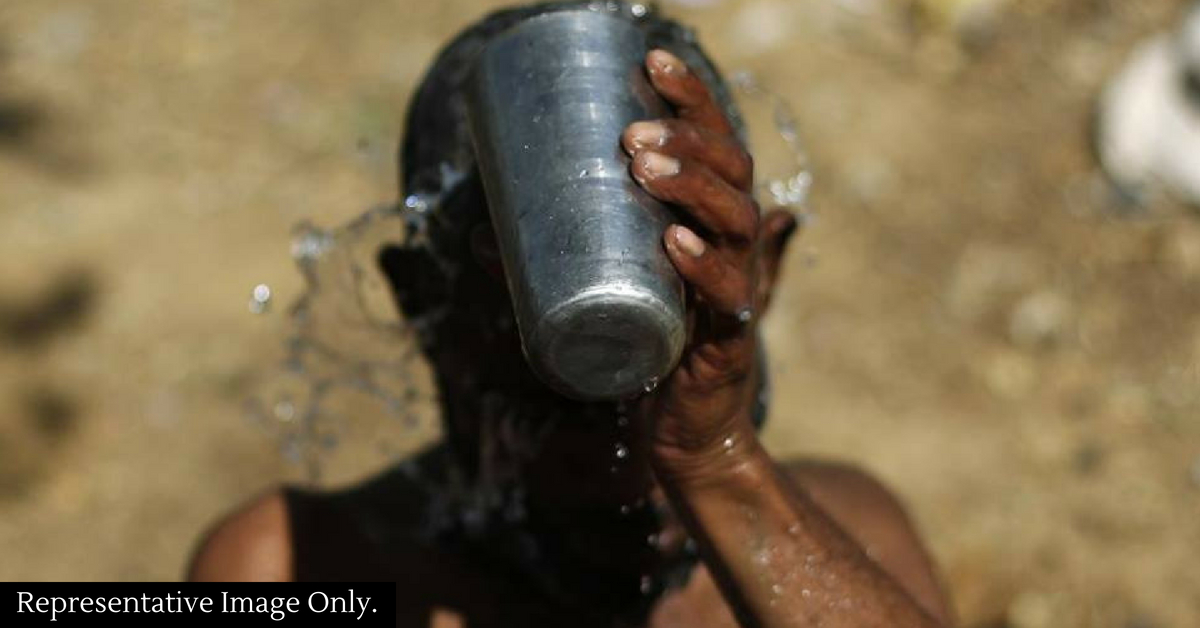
{"x": 537, "y": 510}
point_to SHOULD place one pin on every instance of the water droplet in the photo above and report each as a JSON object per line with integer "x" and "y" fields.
{"x": 419, "y": 203}
{"x": 346, "y": 343}
{"x": 776, "y": 589}
{"x": 728, "y": 444}
{"x": 794, "y": 529}
{"x": 625, "y": 509}
{"x": 638, "y": 10}
{"x": 621, "y": 451}
{"x": 805, "y": 593}
{"x": 646, "y": 585}
{"x": 583, "y": 173}
{"x": 260, "y": 298}
{"x": 650, "y": 384}
{"x": 652, "y": 540}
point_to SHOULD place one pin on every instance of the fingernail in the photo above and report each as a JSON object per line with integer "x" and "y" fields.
{"x": 659, "y": 165}
{"x": 647, "y": 134}
{"x": 688, "y": 241}
{"x": 666, "y": 62}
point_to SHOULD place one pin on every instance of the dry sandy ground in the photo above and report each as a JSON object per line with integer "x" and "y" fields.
{"x": 971, "y": 315}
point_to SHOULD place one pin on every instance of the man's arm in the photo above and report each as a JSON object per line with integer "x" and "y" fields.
{"x": 875, "y": 519}
{"x": 781, "y": 560}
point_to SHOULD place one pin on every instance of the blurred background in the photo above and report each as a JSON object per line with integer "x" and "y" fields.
{"x": 973, "y": 312}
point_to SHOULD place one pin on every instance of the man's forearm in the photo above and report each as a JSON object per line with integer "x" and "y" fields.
{"x": 778, "y": 558}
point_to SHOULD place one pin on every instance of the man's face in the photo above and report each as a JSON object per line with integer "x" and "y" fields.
{"x": 587, "y": 472}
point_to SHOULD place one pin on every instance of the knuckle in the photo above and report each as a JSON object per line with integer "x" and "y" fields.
{"x": 683, "y": 136}
{"x": 744, "y": 166}
{"x": 740, "y": 295}
{"x": 725, "y": 365}
{"x": 744, "y": 222}
{"x": 718, "y": 272}
{"x": 730, "y": 288}
{"x": 697, "y": 89}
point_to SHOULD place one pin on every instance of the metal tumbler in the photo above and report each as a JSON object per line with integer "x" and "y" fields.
{"x": 599, "y": 306}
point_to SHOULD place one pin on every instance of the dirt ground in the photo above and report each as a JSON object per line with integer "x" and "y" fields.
{"x": 971, "y": 314}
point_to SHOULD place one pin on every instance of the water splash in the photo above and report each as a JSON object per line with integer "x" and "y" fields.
{"x": 349, "y": 373}
{"x": 783, "y": 174}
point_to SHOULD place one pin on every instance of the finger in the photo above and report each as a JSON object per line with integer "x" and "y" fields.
{"x": 726, "y": 212}
{"x": 722, "y": 153}
{"x": 686, "y": 91}
{"x": 776, "y": 231}
{"x": 723, "y": 287}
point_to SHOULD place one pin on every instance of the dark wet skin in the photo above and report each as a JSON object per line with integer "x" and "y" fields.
{"x": 799, "y": 544}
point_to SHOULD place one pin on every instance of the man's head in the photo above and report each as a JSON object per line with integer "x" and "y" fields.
{"x": 512, "y": 435}
{"x": 450, "y": 280}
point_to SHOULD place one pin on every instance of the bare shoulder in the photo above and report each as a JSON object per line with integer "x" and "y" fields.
{"x": 252, "y": 543}
{"x": 870, "y": 513}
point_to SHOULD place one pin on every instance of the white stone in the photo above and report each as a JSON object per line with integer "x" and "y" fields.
{"x": 1149, "y": 132}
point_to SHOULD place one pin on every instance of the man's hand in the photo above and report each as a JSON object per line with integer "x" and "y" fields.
{"x": 778, "y": 559}
{"x": 726, "y": 252}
